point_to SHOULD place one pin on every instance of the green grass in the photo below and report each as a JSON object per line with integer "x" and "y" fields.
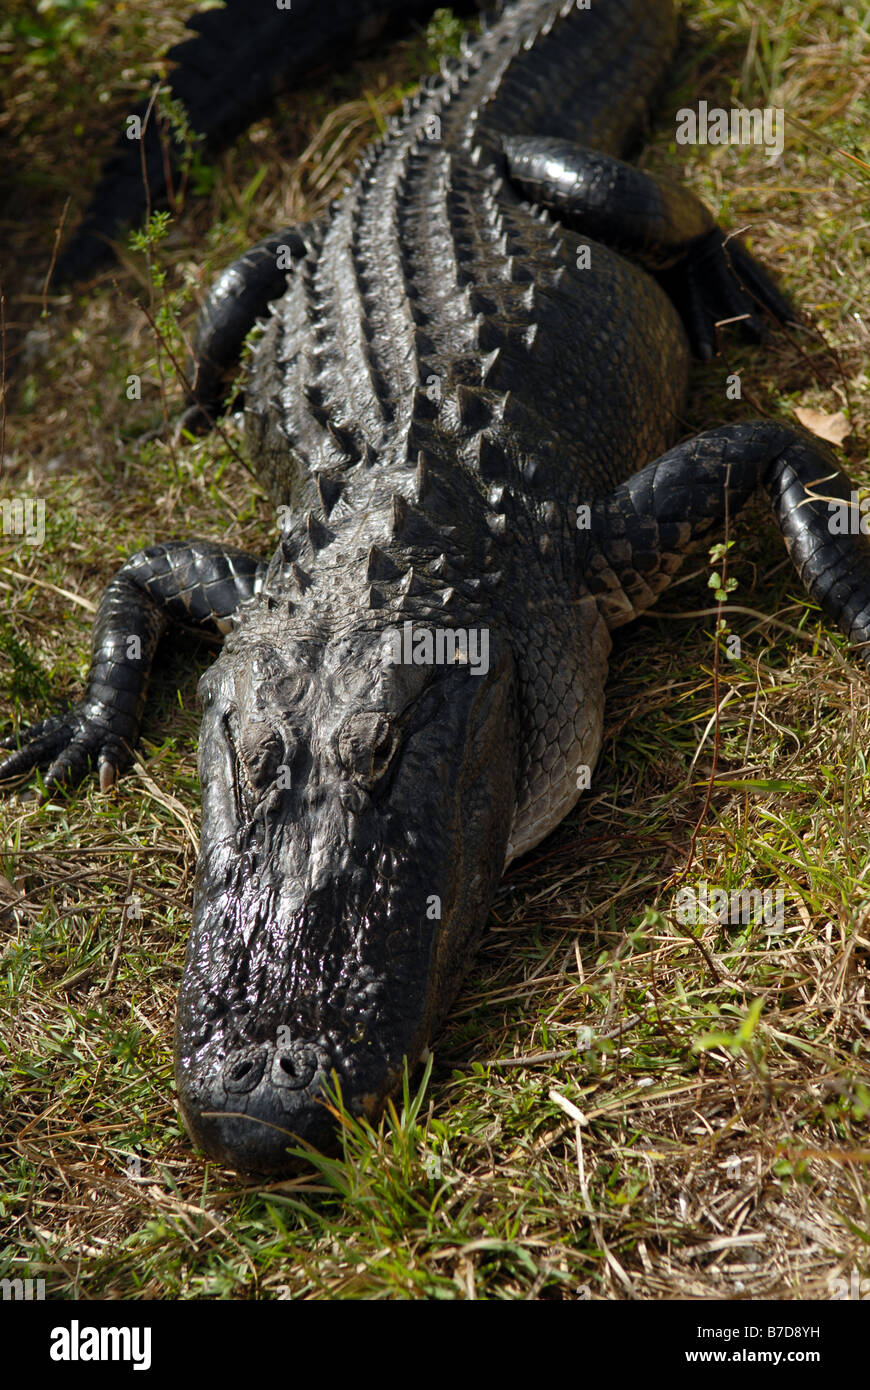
{"x": 619, "y": 1106}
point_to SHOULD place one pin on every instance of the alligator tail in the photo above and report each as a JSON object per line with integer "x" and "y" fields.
{"x": 225, "y": 77}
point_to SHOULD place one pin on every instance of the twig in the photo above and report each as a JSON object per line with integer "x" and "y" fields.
{"x": 182, "y": 376}
{"x": 125, "y": 915}
{"x": 57, "y": 236}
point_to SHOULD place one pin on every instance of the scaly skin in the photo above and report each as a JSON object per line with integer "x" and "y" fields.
{"x": 444, "y": 387}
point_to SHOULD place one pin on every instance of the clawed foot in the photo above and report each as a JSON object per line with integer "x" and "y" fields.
{"x": 69, "y": 744}
{"x": 720, "y": 282}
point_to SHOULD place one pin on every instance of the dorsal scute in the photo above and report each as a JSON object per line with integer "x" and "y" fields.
{"x": 329, "y": 489}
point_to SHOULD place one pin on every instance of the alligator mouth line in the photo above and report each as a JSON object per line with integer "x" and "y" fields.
{"x": 258, "y": 1122}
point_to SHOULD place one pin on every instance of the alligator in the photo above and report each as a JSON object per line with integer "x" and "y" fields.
{"x": 465, "y": 404}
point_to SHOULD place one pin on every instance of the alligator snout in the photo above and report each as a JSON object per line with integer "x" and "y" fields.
{"x": 341, "y": 889}
{"x": 261, "y": 1099}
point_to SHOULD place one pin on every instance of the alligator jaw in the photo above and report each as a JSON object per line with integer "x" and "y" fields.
{"x": 355, "y": 819}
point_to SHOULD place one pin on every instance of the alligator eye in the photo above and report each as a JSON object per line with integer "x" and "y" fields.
{"x": 259, "y": 751}
{"x": 261, "y": 755}
{"x": 383, "y": 752}
{"x": 288, "y": 689}
{"x": 366, "y": 744}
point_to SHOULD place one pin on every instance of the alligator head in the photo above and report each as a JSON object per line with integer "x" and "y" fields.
{"x": 356, "y": 811}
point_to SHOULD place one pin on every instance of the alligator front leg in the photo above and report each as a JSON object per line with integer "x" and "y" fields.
{"x": 662, "y": 225}
{"x": 638, "y": 537}
{"x": 238, "y": 297}
{"x": 191, "y": 583}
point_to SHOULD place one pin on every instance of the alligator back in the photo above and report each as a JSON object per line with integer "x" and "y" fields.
{"x": 436, "y": 310}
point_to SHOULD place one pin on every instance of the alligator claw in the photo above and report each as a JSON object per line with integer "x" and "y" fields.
{"x": 201, "y": 415}
{"x": 108, "y": 775}
{"x": 196, "y": 419}
{"x": 34, "y": 746}
{"x": 756, "y": 284}
{"x": 720, "y": 282}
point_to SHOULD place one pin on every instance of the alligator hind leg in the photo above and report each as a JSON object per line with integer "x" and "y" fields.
{"x": 639, "y": 536}
{"x": 238, "y": 297}
{"x": 191, "y": 583}
{"x": 660, "y": 224}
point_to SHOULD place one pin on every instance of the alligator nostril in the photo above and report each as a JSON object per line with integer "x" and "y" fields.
{"x": 293, "y": 1068}
{"x": 242, "y": 1070}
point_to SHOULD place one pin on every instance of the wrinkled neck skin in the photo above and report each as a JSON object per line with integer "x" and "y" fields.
{"x": 356, "y": 814}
